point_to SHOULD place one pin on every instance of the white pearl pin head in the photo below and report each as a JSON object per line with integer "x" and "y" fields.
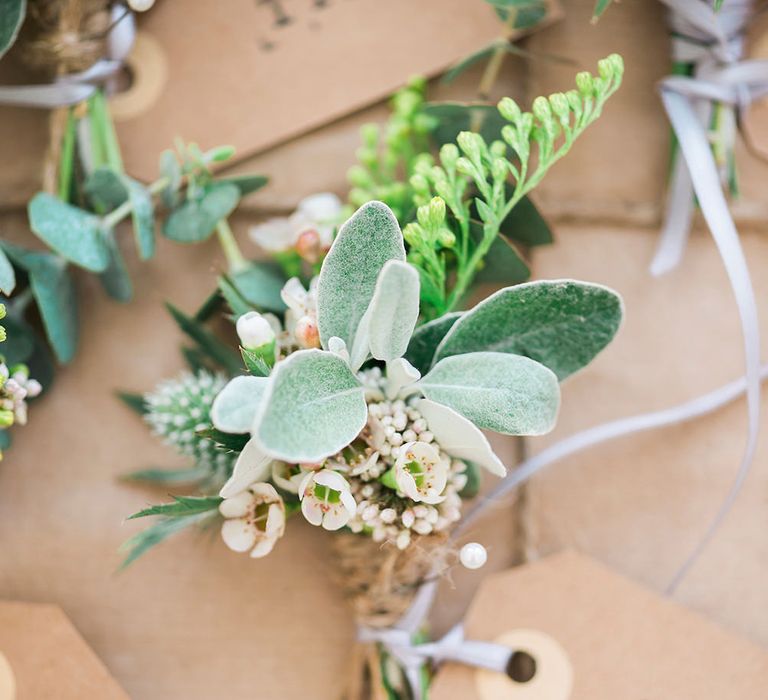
{"x": 473, "y": 555}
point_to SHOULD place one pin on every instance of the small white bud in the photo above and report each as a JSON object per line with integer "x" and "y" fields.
{"x": 254, "y": 330}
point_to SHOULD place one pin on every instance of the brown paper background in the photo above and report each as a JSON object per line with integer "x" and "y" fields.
{"x": 195, "y": 620}
{"x": 624, "y": 643}
{"x": 48, "y": 658}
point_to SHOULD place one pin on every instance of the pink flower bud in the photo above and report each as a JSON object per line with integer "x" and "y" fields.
{"x": 307, "y": 333}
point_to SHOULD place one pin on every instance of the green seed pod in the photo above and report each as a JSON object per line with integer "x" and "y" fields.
{"x": 369, "y": 135}
{"x": 499, "y": 169}
{"x": 585, "y": 83}
{"x": 541, "y": 109}
{"x": 498, "y": 149}
{"x": 508, "y": 109}
{"x": 470, "y": 144}
{"x": 419, "y": 183}
{"x": 559, "y": 103}
{"x": 446, "y": 238}
{"x": 412, "y": 233}
{"x": 574, "y": 102}
{"x": 422, "y": 216}
{"x": 436, "y": 212}
{"x": 465, "y": 167}
{"x": 358, "y": 176}
{"x": 510, "y": 135}
{"x": 449, "y": 154}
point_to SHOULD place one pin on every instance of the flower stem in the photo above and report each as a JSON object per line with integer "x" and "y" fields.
{"x": 235, "y": 258}
{"x": 115, "y": 217}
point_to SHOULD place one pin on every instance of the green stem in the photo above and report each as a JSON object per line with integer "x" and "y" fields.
{"x": 235, "y": 258}
{"x": 66, "y": 162}
{"x": 115, "y": 217}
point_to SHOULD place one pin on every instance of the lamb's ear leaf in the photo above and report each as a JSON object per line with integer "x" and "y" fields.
{"x": 426, "y": 338}
{"x": 369, "y": 239}
{"x": 73, "y": 233}
{"x": 509, "y": 394}
{"x": 252, "y": 465}
{"x": 563, "y": 324}
{"x": 313, "y": 407}
{"x": 459, "y": 437}
{"x": 234, "y": 408}
{"x": 394, "y": 310}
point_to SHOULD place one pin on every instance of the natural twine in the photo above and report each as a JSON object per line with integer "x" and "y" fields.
{"x": 380, "y": 582}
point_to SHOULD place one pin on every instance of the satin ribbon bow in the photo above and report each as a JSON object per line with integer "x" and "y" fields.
{"x": 72, "y": 88}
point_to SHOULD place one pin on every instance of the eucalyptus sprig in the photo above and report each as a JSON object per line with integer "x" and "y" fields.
{"x": 481, "y": 183}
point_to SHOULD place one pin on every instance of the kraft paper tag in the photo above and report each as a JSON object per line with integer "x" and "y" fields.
{"x": 253, "y": 73}
{"x": 583, "y": 632}
{"x": 43, "y": 656}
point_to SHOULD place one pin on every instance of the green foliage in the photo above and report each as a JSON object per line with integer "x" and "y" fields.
{"x": 73, "y": 233}
{"x": 561, "y": 324}
{"x": 191, "y": 475}
{"x": 255, "y": 363}
{"x": 313, "y": 407}
{"x": 426, "y": 338}
{"x": 142, "y": 214}
{"x": 176, "y": 516}
{"x": 196, "y": 219}
{"x": 489, "y": 179}
{"x": 369, "y": 239}
{"x": 509, "y": 394}
{"x": 135, "y": 402}
{"x": 211, "y": 347}
{"x": 602, "y": 5}
{"x": 7, "y": 274}
{"x": 115, "y": 278}
{"x": 259, "y": 285}
{"x": 54, "y": 293}
{"x": 12, "y": 13}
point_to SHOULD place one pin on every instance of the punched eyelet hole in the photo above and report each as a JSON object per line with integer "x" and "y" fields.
{"x": 521, "y": 667}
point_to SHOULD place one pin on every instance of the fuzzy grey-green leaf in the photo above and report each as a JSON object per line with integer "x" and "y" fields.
{"x": 562, "y": 324}
{"x": 313, "y": 407}
{"x": 510, "y": 394}
{"x": 394, "y": 310}
{"x": 370, "y": 238}
{"x": 236, "y": 405}
{"x": 142, "y": 215}
{"x": 73, "y": 233}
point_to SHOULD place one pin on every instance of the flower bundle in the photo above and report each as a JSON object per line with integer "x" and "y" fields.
{"x": 361, "y": 396}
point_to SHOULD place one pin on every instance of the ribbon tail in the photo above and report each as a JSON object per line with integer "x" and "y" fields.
{"x": 45, "y": 96}
{"x": 677, "y": 220}
{"x": 706, "y": 184}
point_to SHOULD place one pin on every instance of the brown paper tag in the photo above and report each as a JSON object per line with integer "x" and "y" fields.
{"x": 253, "y": 73}
{"x": 43, "y": 656}
{"x": 583, "y": 632}
{"x": 755, "y": 121}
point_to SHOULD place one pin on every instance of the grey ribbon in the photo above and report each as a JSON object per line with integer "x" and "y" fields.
{"x": 75, "y": 87}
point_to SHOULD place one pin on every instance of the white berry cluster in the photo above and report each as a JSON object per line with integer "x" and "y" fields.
{"x": 386, "y": 513}
{"x": 180, "y": 407}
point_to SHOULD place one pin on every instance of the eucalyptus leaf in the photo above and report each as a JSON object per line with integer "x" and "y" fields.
{"x": 236, "y": 405}
{"x": 5, "y": 439}
{"x": 20, "y": 341}
{"x": 468, "y": 61}
{"x": 394, "y": 309}
{"x": 12, "y": 13}
{"x": 562, "y": 324}
{"x": 171, "y": 170}
{"x": 260, "y": 284}
{"x": 54, "y": 292}
{"x": 142, "y": 215}
{"x": 7, "y": 274}
{"x": 195, "y": 220}
{"x": 509, "y": 394}
{"x": 73, "y": 233}
{"x": 347, "y": 281}
{"x": 245, "y": 183}
{"x": 105, "y": 189}
{"x": 313, "y": 407}
{"x": 115, "y": 279}
{"x": 426, "y": 338}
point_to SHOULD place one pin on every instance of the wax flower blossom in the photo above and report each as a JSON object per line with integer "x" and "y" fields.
{"x": 254, "y": 520}
{"x": 309, "y": 229}
{"x": 326, "y": 499}
{"x": 421, "y": 473}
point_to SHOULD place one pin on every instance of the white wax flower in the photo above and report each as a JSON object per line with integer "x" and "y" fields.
{"x": 301, "y": 315}
{"x": 287, "y": 476}
{"x": 254, "y": 330}
{"x": 421, "y": 473}
{"x": 326, "y": 499}
{"x": 318, "y": 213}
{"x": 255, "y": 520}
